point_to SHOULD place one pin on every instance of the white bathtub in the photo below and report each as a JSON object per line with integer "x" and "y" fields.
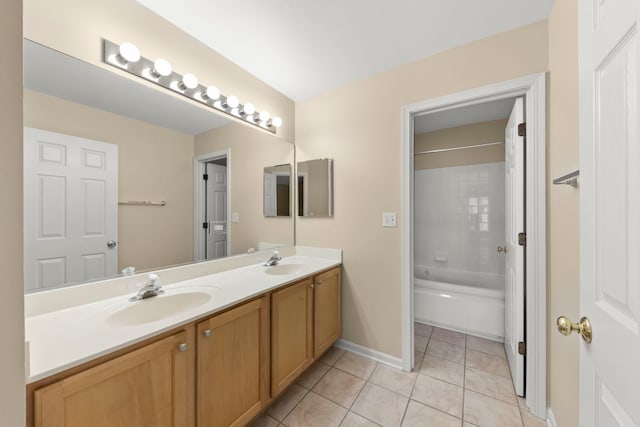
{"x": 468, "y": 302}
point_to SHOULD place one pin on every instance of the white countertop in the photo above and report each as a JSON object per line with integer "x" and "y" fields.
{"x": 61, "y": 339}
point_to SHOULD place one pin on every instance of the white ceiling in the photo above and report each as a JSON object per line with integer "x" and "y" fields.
{"x": 477, "y": 113}
{"x": 303, "y": 48}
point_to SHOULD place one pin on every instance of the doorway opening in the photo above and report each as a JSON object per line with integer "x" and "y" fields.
{"x": 531, "y": 90}
{"x": 212, "y": 237}
{"x": 468, "y": 268}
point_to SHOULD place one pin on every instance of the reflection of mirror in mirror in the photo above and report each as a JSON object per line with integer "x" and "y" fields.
{"x": 156, "y": 138}
{"x": 277, "y": 190}
{"x": 315, "y": 188}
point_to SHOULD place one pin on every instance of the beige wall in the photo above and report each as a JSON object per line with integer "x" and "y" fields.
{"x": 154, "y": 163}
{"x": 12, "y": 401}
{"x": 563, "y": 270}
{"x": 251, "y": 152}
{"x": 79, "y": 26}
{"x": 359, "y": 125}
{"x": 460, "y": 136}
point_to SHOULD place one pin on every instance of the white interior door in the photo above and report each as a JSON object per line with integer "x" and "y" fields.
{"x": 514, "y": 275}
{"x": 216, "y": 211}
{"x": 70, "y": 209}
{"x": 609, "y": 212}
{"x": 270, "y": 194}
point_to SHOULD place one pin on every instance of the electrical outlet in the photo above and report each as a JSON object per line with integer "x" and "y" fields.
{"x": 235, "y": 217}
{"x": 388, "y": 219}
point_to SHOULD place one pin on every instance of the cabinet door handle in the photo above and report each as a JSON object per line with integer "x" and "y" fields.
{"x": 182, "y": 347}
{"x": 206, "y": 332}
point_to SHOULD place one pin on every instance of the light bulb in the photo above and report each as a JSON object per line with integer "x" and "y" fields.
{"x": 161, "y": 68}
{"x": 232, "y": 101}
{"x": 128, "y": 52}
{"x": 264, "y": 116}
{"x": 189, "y": 81}
{"x": 276, "y": 122}
{"x": 212, "y": 92}
{"x": 249, "y": 108}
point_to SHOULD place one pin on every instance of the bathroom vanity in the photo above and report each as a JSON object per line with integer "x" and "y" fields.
{"x": 213, "y": 350}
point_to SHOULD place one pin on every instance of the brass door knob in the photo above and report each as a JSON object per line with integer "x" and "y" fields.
{"x": 566, "y": 327}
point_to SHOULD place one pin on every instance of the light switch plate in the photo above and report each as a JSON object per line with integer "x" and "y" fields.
{"x": 388, "y": 219}
{"x": 235, "y": 217}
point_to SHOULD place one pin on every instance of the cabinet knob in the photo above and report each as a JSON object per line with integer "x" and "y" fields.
{"x": 312, "y": 286}
{"x": 182, "y": 347}
{"x": 206, "y": 332}
{"x": 319, "y": 282}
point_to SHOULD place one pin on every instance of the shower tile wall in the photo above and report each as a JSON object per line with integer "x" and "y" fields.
{"x": 460, "y": 217}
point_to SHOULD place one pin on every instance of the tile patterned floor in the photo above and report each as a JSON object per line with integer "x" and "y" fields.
{"x": 459, "y": 380}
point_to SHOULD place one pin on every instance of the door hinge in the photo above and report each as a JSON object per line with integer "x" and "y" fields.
{"x": 522, "y": 348}
{"x": 205, "y": 225}
{"x": 522, "y": 129}
{"x": 522, "y": 239}
{"x": 205, "y": 176}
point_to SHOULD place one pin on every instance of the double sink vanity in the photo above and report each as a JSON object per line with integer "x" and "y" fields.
{"x": 214, "y": 349}
{"x": 227, "y": 334}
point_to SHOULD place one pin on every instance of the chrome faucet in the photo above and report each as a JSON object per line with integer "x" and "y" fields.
{"x": 150, "y": 289}
{"x": 274, "y": 260}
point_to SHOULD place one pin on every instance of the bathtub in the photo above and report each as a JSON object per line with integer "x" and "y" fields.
{"x": 468, "y": 302}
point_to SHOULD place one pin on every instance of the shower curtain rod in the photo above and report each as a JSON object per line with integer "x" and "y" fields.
{"x": 442, "y": 150}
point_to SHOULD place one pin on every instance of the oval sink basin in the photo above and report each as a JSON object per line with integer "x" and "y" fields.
{"x": 283, "y": 269}
{"x": 157, "y": 308}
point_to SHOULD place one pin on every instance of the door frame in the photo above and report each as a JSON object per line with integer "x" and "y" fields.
{"x": 533, "y": 87}
{"x": 199, "y": 167}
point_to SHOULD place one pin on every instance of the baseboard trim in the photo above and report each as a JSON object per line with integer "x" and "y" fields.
{"x": 370, "y": 353}
{"x": 551, "y": 420}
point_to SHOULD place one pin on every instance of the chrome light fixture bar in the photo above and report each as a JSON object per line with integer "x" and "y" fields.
{"x": 127, "y": 57}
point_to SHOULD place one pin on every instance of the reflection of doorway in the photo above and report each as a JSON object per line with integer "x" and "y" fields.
{"x": 216, "y": 209}
{"x": 211, "y": 206}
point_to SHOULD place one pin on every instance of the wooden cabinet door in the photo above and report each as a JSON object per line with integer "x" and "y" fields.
{"x": 291, "y": 333}
{"x": 233, "y": 365}
{"x": 147, "y": 387}
{"x": 326, "y": 301}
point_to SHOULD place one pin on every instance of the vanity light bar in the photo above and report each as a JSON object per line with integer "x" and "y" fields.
{"x": 127, "y": 57}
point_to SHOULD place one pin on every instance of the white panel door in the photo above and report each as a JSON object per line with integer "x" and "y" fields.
{"x": 216, "y": 211}
{"x": 270, "y": 194}
{"x": 609, "y": 212}
{"x": 514, "y": 275}
{"x": 70, "y": 209}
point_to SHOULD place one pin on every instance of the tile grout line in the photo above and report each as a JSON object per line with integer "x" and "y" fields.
{"x": 358, "y": 395}
{"x": 464, "y": 378}
{"x": 433, "y": 407}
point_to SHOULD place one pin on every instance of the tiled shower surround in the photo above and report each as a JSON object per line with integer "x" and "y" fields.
{"x": 460, "y": 217}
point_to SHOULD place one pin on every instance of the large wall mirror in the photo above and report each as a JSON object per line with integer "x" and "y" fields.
{"x": 119, "y": 174}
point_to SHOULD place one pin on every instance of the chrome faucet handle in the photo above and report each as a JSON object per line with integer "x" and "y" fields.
{"x": 275, "y": 258}
{"x": 153, "y": 278}
{"x": 150, "y": 289}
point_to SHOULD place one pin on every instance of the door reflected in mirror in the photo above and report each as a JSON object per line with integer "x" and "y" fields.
{"x": 277, "y": 191}
{"x": 315, "y": 188}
